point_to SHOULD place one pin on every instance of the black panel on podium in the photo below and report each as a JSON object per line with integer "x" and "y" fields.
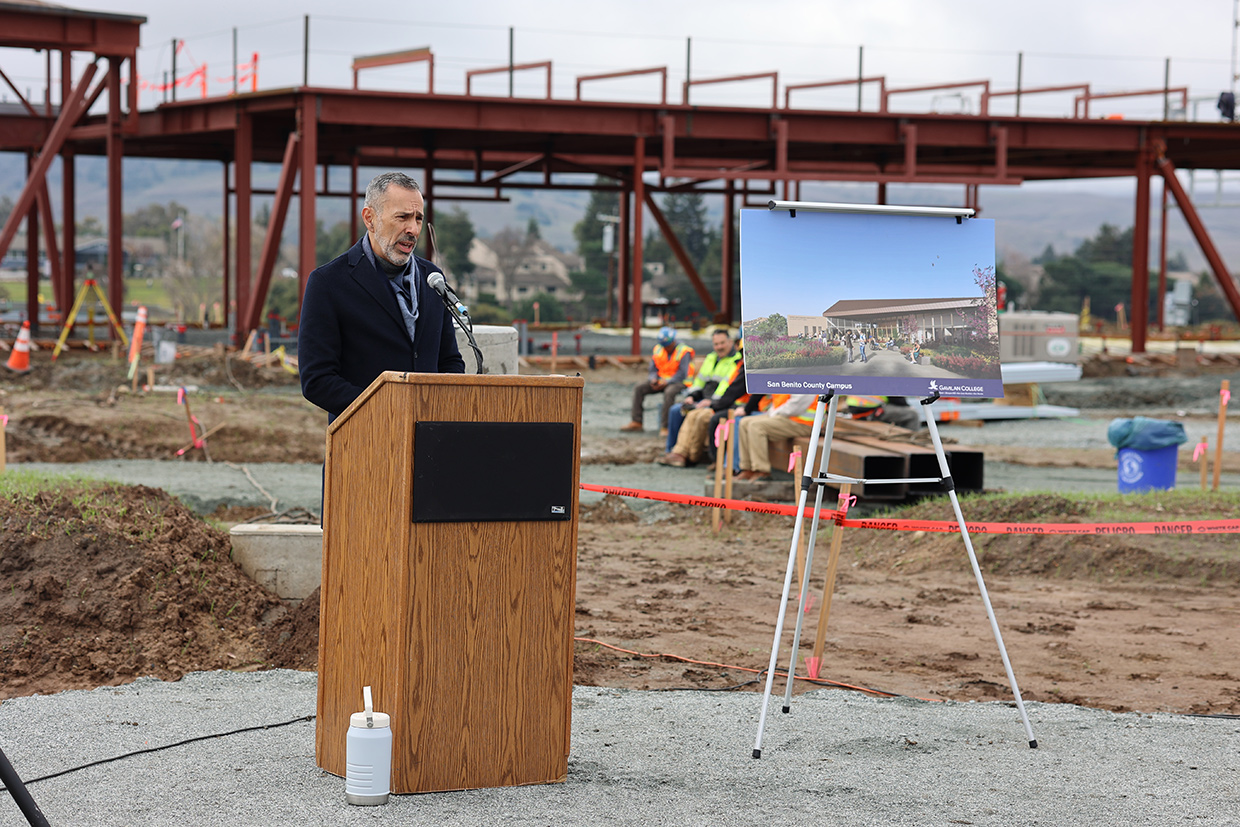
{"x": 487, "y": 471}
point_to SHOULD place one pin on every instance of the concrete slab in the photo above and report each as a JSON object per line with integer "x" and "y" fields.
{"x": 287, "y": 559}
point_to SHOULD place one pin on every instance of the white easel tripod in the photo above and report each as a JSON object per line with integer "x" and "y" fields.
{"x": 819, "y": 482}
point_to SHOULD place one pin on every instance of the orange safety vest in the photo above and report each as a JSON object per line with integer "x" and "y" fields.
{"x": 743, "y": 398}
{"x": 865, "y": 407}
{"x": 806, "y": 418}
{"x": 666, "y": 364}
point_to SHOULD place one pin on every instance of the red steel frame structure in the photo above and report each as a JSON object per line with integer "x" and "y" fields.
{"x": 472, "y": 144}
{"x": 108, "y": 38}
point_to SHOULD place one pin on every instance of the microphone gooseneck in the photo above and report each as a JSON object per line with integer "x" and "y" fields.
{"x": 459, "y": 312}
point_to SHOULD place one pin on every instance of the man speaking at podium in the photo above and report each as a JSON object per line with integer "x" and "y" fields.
{"x": 371, "y": 310}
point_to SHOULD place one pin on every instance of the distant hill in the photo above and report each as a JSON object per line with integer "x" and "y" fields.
{"x": 1028, "y": 218}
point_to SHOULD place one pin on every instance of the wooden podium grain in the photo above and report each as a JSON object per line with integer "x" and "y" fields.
{"x": 464, "y": 630}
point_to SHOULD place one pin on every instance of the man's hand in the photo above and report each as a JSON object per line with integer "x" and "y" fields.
{"x": 704, "y": 403}
{"x": 658, "y": 385}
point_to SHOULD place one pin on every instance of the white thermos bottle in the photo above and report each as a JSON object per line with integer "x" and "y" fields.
{"x": 368, "y": 755}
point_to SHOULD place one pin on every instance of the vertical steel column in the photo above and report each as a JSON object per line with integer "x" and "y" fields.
{"x": 305, "y": 53}
{"x": 44, "y": 202}
{"x": 353, "y": 232}
{"x": 307, "y": 113}
{"x": 639, "y": 206}
{"x": 860, "y": 74}
{"x": 227, "y": 244}
{"x": 243, "y": 155}
{"x": 32, "y": 257}
{"x": 428, "y": 204}
{"x": 622, "y": 263}
{"x": 727, "y": 296}
{"x": 1141, "y": 254}
{"x": 68, "y": 227}
{"x": 116, "y": 251}
{"x": 1160, "y": 305}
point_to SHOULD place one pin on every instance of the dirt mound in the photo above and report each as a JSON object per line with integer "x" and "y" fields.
{"x": 113, "y": 582}
{"x": 293, "y": 640}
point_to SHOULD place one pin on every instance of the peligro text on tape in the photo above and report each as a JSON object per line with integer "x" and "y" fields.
{"x": 934, "y": 526}
{"x": 946, "y": 527}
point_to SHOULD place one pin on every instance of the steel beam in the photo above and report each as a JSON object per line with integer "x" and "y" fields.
{"x": 243, "y": 149}
{"x": 70, "y": 111}
{"x": 353, "y": 211}
{"x": 623, "y": 249}
{"x": 46, "y": 26}
{"x": 271, "y": 242}
{"x": 636, "y": 309}
{"x": 32, "y": 254}
{"x": 1140, "y": 314}
{"x": 678, "y": 250}
{"x": 227, "y": 245}
{"x": 1222, "y": 275}
{"x": 116, "y": 220}
{"x": 428, "y": 203}
{"x": 727, "y": 304}
{"x": 308, "y": 229}
{"x": 44, "y": 206}
{"x": 68, "y": 192}
{"x": 1160, "y": 300}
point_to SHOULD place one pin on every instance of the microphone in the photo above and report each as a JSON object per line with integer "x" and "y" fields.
{"x": 436, "y": 282}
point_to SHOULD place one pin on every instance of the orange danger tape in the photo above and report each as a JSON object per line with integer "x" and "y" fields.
{"x": 937, "y": 526}
{"x": 707, "y": 502}
{"x": 945, "y": 527}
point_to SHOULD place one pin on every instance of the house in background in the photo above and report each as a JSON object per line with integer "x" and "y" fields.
{"x": 514, "y": 275}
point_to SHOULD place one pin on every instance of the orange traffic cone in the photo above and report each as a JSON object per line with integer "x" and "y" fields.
{"x": 19, "y": 359}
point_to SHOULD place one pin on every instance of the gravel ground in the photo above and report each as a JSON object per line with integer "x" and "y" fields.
{"x": 681, "y": 758}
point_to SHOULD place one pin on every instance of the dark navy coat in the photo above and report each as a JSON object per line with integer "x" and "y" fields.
{"x": 352, "y": 330}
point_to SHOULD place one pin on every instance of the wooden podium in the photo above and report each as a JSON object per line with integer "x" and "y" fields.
{"x": 441, "y": 590}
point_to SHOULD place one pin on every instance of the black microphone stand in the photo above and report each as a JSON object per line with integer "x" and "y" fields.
{"x": 13, "y": 782}
{"x": 461, "y": 314}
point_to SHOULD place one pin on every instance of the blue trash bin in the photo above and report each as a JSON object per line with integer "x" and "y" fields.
{"x": 1147, "y": 470}
{"x": 1147, "y": 453}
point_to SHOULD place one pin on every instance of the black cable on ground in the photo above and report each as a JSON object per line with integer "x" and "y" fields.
{"x": 302, "y": 719}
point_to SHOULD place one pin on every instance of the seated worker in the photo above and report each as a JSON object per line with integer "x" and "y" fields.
{"x": 747, "y": 404}
{"x": 716, "y": 367}
{"x": 716, "y": 377}
{"x": 671, "y": 365}
{"x": 788, "y": 418}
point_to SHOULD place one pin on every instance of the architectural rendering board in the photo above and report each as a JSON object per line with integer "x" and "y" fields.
{"x": 886, "y": 304}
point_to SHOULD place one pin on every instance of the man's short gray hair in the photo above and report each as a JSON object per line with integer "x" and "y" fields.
{"x": 379, "y": 184}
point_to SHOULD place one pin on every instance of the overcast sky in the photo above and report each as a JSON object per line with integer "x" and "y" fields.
{"x": 1114, "y": 45}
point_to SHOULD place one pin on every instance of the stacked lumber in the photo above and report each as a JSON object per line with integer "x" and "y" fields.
{"x": 879, "y": 451}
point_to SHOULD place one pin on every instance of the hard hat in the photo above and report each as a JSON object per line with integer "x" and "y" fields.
{"x": 667, "y": 335}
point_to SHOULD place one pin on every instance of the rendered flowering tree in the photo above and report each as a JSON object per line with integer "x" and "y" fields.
{"x": 982, "y": 320}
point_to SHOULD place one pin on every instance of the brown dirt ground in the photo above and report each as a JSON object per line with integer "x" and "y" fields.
{"x": 1121, "y": 623}
{"x": 82, "y": 408}
{"x": 98, "y": 590}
